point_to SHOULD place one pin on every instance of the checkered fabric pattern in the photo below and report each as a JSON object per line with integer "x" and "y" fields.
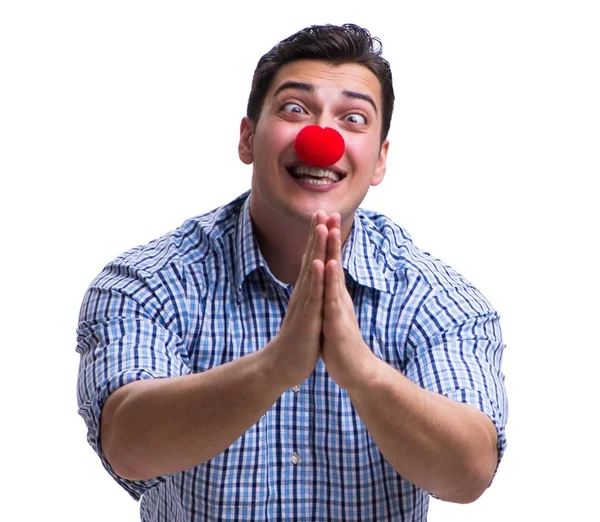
{"x": 203, "y": 295}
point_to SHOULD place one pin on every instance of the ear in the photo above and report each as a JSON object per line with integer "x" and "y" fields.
{"x": 245, "y": 146}
{"x": 381, "y": 165}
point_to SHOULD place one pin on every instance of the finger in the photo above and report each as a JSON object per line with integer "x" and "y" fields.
{"x": 334, "y": 245}
{"x": 319, "y": 218}
{"x": 334, "y": 221}
{"x": 315, "y": 249}
{"x": 310, "y": 322}
{"x": 310, "y": 299}
{"x": 317, "y": 284}
{"x": 317, "y": 254}
{"x": 332, "y": 286}
{"x": 320, "y": 246}
{"x": 306, "y": 257}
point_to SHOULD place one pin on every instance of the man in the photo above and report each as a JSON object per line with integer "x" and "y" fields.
{"x": 289, "y": 356}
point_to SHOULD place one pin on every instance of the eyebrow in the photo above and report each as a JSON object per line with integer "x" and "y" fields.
{"x": 308, "y": 87}
{"x": 361, "y": 96}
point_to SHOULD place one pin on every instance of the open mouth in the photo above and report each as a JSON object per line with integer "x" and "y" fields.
{"x": 315, "y": 175}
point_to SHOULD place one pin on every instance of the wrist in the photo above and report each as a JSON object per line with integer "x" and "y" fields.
{"x": 366, "y": 374}
{"x": 272, "y": 368}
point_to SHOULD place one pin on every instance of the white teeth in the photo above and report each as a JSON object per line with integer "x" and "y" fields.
{"x": 316, "y": 181}
{"x": 316, "y": 173}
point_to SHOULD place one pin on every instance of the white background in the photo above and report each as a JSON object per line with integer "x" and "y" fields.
{"x": 119, "y": 120}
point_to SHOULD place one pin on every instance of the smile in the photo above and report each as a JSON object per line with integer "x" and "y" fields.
{"x": 315, "y": 175}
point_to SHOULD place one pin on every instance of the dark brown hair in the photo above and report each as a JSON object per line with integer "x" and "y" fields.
{"x": 348, "y": 43}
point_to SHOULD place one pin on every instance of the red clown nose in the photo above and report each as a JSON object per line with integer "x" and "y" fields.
{"x": 319, "y": 146}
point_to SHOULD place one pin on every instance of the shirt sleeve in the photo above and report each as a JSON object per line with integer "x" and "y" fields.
{"x": 458, "y": 349}
{"x": 122, "y": 338}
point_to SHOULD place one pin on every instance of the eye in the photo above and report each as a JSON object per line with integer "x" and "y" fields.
{"x": 356, "y": 118}
{"x": 294, "y": 108}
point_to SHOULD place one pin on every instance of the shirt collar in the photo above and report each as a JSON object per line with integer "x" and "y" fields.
{"x": 248, "y": 252}
{"x": 360, "y": 258}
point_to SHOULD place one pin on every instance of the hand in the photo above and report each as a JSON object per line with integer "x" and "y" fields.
{"x": 345, "y": 354}
{"x": 297, "y": 346}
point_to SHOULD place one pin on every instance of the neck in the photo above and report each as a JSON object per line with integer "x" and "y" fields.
{"x": 282, "y": 242}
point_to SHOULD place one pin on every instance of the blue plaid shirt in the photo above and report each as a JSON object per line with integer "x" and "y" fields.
{"x": 203, "y": 295}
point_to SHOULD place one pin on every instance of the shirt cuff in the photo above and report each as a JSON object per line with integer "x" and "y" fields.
{"x": 91, "y": 413}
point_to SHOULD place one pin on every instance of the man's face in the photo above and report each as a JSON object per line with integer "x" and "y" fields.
{"x": 346, "y": 97}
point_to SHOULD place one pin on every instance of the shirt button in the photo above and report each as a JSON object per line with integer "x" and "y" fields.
{"x": 295, "y": 459}
{"x": 296, "y": 388}
{"x": 265, "y": 294}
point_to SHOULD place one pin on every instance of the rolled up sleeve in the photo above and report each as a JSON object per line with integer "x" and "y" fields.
{"x": 457, "y": 352}
{"x": 122, "y": 338}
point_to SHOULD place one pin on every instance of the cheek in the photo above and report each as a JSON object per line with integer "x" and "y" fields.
{"x": 363, "y": 151}
{"x": 275, "y": 139}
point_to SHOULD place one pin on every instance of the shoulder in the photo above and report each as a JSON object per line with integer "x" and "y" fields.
{"x": 435, "y": 296}
{"x": 193, "y": 242}
{"x": 401, "y": 259}
{"x": 167, "y": 259}
{"x": 158, "y": 278}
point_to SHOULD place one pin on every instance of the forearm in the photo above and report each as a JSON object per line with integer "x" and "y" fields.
{"x": 445, "y": 447}
{"x": 159, "y": 426}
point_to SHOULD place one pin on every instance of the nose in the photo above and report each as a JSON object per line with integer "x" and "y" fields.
{"x": 319, "y": 146}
